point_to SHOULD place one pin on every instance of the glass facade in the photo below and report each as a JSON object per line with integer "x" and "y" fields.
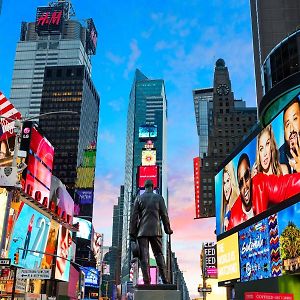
{"x": 147, "y": 105}
{"x": 34, "y": 53}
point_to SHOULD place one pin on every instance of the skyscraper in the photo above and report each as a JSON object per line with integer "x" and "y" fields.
{"x": 54, "y": 39}
{"x": 272, "y": 21}
{"x": 222, "y": 122}
{"x": 146, "y": 128}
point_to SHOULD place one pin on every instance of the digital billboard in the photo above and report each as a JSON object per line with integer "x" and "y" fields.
{"x": 85, "y": 196}
{"x": 263, "y": 174}
{"x": 49, "y": 19}
{"x": 210, "y": 256}
{"x": 196, "y": 162}
{"x": 29, "y": 234}
{"x": 148, "y": 157}
{"x": 92, "y": 37}
{"x": 228, "y": 262}
{"x": 85, "y": 228}
{"x": 85, "y": 178}
{"x": 97, "y": 245}
{"x": 51, "y": 245}
{"x": 147, "y": 173}
{"x": 91, "y": 277}
{"x": 4, "y": 195}
{"x": 64, "y": 254}
{"x": 147, "y": 132}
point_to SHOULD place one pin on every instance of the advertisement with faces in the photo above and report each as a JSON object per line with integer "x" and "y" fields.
{"x": 29, "y": 236}
{"x": 265, "y": 173}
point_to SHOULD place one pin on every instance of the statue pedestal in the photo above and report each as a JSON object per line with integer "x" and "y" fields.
{"x": 156, "y": 291}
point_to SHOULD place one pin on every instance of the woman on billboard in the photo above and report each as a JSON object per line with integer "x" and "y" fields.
{"x": 267, "y": 155}
{"x": 229, "y": 195}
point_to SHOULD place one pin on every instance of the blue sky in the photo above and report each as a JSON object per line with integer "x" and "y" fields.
{"x": 178, "y": 41}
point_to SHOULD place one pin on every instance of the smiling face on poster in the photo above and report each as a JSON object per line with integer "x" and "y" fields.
{"x": 29, "y": 234}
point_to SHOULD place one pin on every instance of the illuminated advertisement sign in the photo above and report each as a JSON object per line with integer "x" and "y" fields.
{"x": 210, "y": 254}
{"x": 91, "y": 277}
{"x": 147, "y": 173}
{"x": 61, "y": 197}
{"x": 4, "y": 195}
{"x": 85, "y": 196}
{"x": 268, "y": 296}
{"x": 85, "y": 178}
{"x": 85, "y": 228}
{"x": 39, "y": 162}
{"x": 148, "y": 157}
{"x": 253, "y": 180}
{"x": 92, "y": 37}
{"x": 51, "y": 245}
{"x": 49, "y": 19}
{"x": 255, "y": 257}
{"x": 97, "y": 244}
{"x": 228, "y": 258}
{"x": 289, "y": 230}
{"x": 89, "y": 158}
{"x": 147, "y": 132}
{"x": 196, "y": 161}
{"x": 30, "y": 234}
{"x": 64, "y": 254}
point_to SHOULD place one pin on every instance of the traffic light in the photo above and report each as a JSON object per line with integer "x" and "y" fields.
{"x": 16, "y": 258}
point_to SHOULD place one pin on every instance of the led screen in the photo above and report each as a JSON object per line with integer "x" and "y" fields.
{"x": 148, "y": 157}
{"x": 7, "y": 147}
{"x": 97, "y": 244}
{"x": 85, "y": 178}
{"x": 85, "y": 196}
{"x": 253, "y": 180}
{"x": 147, "y": 131}
{"x": 85, "y": 228}
{"x": 228, "y": 258}
{"x": 147, "y": 173}
{"x": 51, "y": 245}
{"x": 210, "y": 251}
{"x": 91, "y": 276}
{"x": 4, "y": 195}
{"x": 30, "y": 233}
{"x": 64, "y": 254}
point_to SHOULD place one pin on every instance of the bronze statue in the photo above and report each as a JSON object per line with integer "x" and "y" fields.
{"x": 148, "y": 211}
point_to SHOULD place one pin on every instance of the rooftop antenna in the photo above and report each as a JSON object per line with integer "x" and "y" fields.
{"x": 68, "y": 8}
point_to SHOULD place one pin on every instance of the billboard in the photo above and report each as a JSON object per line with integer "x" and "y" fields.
{"x": 269, "y": 296}
{"x": 196, "y": 162}
{"x": 85, "y": 228}
{"x": 147, "y": 173}
{"x": 97, "y": 245}
{"x": 51, "y": 245}
{"x": 148, "y": 157}
{"x": 92, "y": 37}
{"x": 147, "y": 132}
{"x": 61, "y": 197}
{"x": 91, "y": 276}
{"x": 39, "y": 161}
{"x": 228, "y": 258}
{"x": 85, "y": 178}
{"x": 210, "y": 256}
{"x": 29, "y": 234}
{"x": 85, "y": 196}
{"x": 263, "y": 174}
{"x": 49, "y": 19}
{"x": 64, "y": 254}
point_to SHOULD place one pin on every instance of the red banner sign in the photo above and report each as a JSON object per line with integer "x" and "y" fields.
{"x": 267, "y": 296}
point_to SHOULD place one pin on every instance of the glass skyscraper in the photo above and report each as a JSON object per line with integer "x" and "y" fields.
{"x": 147, "y": 106}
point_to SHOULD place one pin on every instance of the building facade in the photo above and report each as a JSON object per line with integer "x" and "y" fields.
{"x": 222, "y": 122}
{"x": 147, "y": 109}
{"x": 54, "y": 39}
{"x": 272, "y": 21}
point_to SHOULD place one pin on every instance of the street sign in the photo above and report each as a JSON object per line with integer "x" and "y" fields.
{"x": 5, "y": 261}
{"x": 204, "y": 290}
{"x": 34, "y": 274}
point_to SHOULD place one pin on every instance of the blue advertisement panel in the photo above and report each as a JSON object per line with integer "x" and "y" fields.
{"x": 254, "y": 247}
{"x": 289, "y": 238}
{"x": 263, "y": 174}
{"x": 91, "y": 277}
{"x": 30, "y": 234}
{"x": 85, "y": 196}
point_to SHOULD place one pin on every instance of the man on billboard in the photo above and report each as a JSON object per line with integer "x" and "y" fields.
{"x": 290, "y": 150}
{"x": 148, "y": 211}
{"x": 259, "y": 192}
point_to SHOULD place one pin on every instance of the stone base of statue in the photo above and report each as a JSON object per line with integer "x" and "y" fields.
{"x": 156, "y": 291}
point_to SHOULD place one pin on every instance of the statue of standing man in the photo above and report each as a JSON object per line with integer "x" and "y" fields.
{"x": 148, "y": 211}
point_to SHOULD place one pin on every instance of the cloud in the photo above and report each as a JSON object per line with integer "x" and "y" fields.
{"x": 107, "y": 136}
{"x": 116, "y": 105}
{"x": 133, "y": 57}
{"x": 164, "y": 45}
{"x": 116, "y": 59}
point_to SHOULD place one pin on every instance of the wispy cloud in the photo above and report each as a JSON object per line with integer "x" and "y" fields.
{"x": 116, "y": 59}
{"x": 107, "y": 136}
{"x": 133, "y": 57}
{"x": 117, "y": 104}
